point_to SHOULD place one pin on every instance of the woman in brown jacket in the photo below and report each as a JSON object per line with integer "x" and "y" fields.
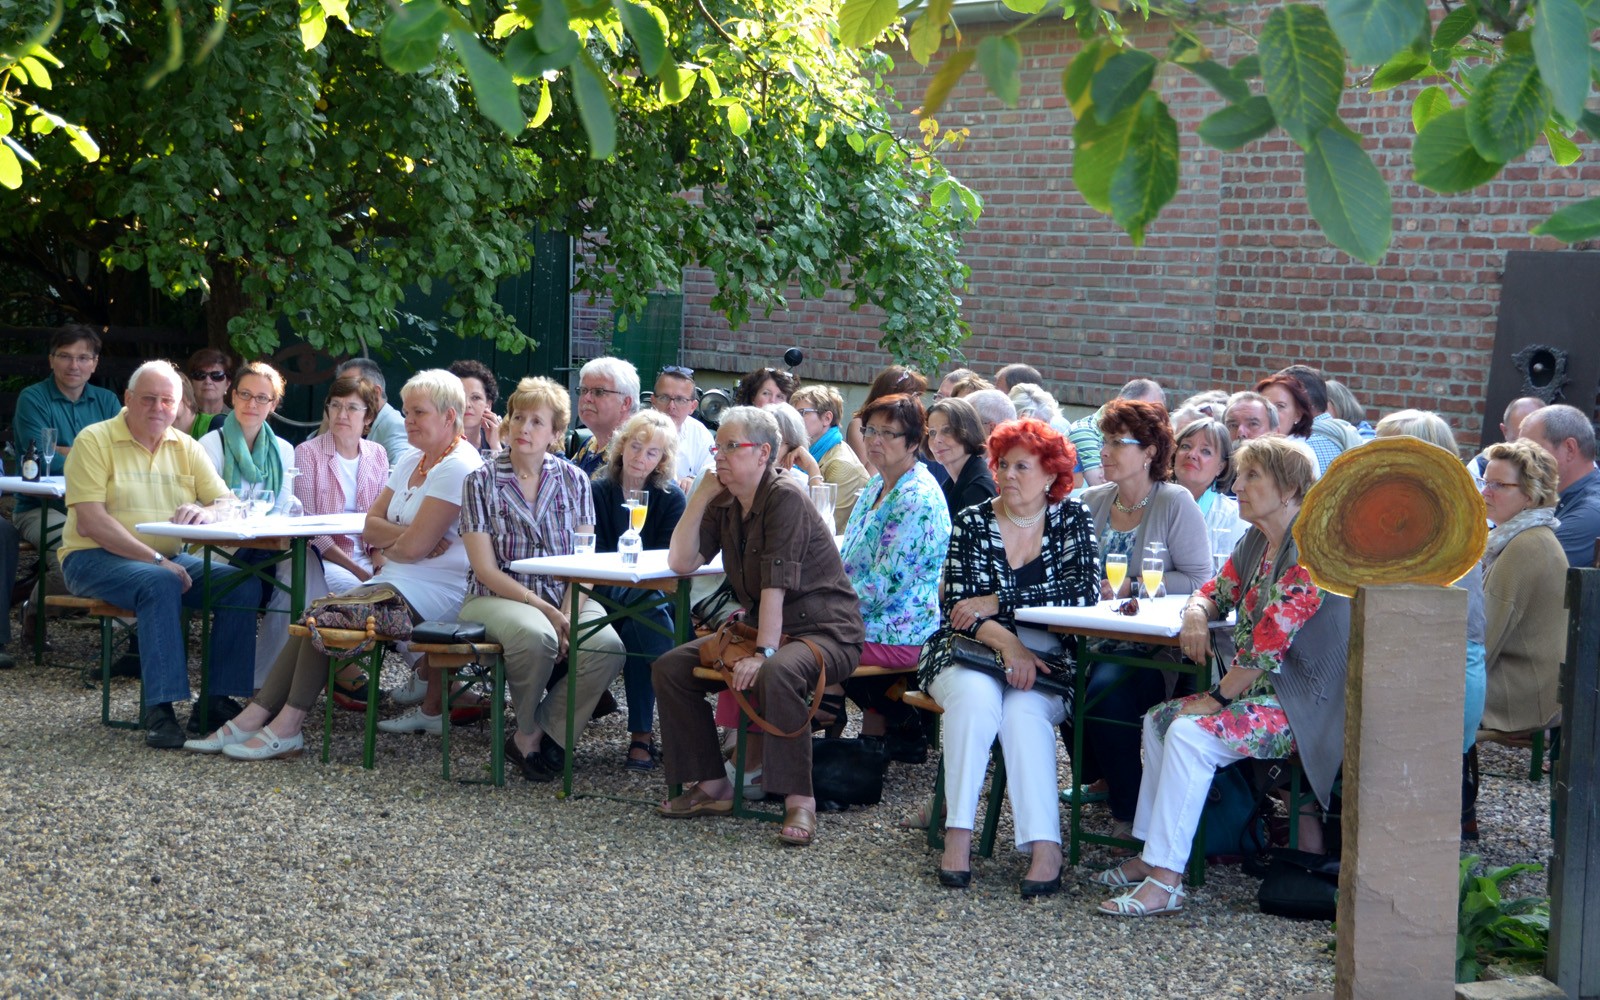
{"x": 1524, "y": 580}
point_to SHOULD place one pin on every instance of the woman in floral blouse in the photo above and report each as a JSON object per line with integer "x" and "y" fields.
{"x": 894, "y": 547}
{"x": 1283, "y": 692}
{"x": 1031, "y": 545}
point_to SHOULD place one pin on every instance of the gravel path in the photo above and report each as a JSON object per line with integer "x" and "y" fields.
{"x": 131, "y": 872}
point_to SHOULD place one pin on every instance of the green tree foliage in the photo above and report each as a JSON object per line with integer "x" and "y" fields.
{"x": 304, "y": 166}
{"x": 1503, "y": 75}
{"x": 25, "y": 66}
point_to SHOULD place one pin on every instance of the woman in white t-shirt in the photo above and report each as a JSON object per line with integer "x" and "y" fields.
{"x": 412, "y": 535}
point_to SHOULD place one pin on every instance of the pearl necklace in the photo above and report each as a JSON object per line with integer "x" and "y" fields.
{"x": 1023, "y": 522}
{"x": 1116, "y": 501}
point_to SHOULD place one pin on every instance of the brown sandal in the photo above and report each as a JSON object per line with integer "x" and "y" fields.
{"x": 798, "y": 818}
{"x": 694, "y": 803}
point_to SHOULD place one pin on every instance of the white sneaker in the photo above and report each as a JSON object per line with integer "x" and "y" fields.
{"x": 218, "y": 741}
{"x": 409, "y": 693}
{"x": 415, "y": 720}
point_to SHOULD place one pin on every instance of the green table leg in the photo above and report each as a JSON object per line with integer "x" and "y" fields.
{"x": 572, "y": 691}
{"x": 39, "y": 585}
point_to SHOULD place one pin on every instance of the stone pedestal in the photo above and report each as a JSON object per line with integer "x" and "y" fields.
{"x": 1402, "y": 794}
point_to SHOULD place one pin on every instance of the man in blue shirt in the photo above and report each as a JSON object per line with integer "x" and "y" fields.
{"x": 68, "y": 403}
{"x": 1566, "y": 433}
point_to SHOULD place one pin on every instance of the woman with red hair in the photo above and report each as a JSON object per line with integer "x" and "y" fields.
{"x": 1289, "y": 397}
{"x": 1028, "y": 546}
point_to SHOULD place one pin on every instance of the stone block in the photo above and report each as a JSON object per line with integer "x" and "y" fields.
{"x": 1515, "y": 988}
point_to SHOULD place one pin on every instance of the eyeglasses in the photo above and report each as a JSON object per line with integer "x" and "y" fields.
{"x": 161, "y": 402}
{"x": 597, "y": 392}
{"x": 82, "y": 359}
{"x": 260, "y": 399}
{"x": 1120, "y": 442}
{"x": 1128, "y": 607}
{"x": 354, "y": 409}
{"x": 677, "y": 370}
{"x": 1491, "y": 486}
{"x": 736, "y": 445}
{"x": 871, "y": 432}
{"x": 213, "y": 376}
{"x": 673, "y": 400}
{"x": 807, "y": 409}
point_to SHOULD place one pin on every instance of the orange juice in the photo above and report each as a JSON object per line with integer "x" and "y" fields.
{"x": 636, "y": 516}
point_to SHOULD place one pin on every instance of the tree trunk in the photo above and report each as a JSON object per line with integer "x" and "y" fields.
{"x": 224, "y": 301}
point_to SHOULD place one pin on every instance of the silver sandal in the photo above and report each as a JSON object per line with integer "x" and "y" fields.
{"x": 1116, "y": 878}
{"x": 1127, "y": 906}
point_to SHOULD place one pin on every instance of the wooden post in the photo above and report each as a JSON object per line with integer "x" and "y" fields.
{"x": 1573, "y": 962}
{"x": 1402, "y": 805}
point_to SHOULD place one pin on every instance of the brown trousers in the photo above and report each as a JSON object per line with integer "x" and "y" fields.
{"x": 298, "y": 675}
{"x": 782, "y": 693}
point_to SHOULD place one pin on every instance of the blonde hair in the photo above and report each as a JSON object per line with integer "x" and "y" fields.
{"x": 1535, "y": 467}
{"x": 442, "y": 389}
{"x": 260, "y": 369}
{"x": 824, "y": 398}
{"x": 538, "y": 392}
{"x": 1289, "y": 463}
{"x": 651, "y": 427}
{"x": 1421, "y": 424}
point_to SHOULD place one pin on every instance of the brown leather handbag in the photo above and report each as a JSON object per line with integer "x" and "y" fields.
{"x": 733, "y": 642}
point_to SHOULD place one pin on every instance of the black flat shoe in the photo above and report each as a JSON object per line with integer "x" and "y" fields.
{"x": 955, "y": 880}
{"x": 531, "y": 765}
{"x": 1032, "y": 889}
{"x": 162, "y": 731}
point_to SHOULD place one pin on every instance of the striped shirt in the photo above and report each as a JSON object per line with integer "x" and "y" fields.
{"x": 493, "y": 503}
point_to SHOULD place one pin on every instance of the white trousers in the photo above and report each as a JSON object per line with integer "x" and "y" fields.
{"x": 1177, "y": 778}
{"x": 977, "y": 708}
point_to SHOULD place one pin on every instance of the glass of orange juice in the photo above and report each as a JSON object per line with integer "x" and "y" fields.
{"x": 1116, "y": 570}
{"x": 1150, "y": 573}
{"x": 638, "y": 504}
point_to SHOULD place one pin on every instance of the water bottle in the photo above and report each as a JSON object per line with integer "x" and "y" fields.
{"x": 630, "y": 546}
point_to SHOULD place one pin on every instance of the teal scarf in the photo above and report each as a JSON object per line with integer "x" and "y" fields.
{"x": 824, "y": 444}
{"x": 259, "y": 466}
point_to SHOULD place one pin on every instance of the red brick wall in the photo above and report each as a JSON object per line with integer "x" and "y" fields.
{"x": 1234, "y": 280}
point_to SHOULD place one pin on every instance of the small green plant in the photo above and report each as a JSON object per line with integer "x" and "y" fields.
{"x": 1490, "y": 928}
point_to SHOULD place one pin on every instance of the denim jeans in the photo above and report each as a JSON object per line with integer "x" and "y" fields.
{"x": 153, "y": 593}
{"x": 644, "y": 645}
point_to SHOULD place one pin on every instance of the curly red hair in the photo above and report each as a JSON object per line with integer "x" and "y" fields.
{"x": 1056, "y": 454}
{"x": 1146, "y": 422}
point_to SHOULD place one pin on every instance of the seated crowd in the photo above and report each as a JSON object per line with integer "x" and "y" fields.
{"x": 944, "y": 520}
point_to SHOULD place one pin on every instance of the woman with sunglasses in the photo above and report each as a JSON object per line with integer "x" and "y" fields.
{"x": 208, "y": 375}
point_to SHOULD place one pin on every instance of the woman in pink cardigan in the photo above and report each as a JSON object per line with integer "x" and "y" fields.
{"x": 342, "y": 472}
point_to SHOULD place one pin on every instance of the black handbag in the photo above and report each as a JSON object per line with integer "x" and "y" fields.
{"x": 1300, "y": 885}
{"x": 975, "y": 655}
{"x": 450, "y": 633}
{"x": 847, "y": 772}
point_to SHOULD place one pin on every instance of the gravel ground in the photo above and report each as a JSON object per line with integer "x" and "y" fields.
{"x": 131, "y": 872}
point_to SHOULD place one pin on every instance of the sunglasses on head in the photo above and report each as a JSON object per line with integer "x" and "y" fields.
{"x": 213, "y": 376}
{"x": 677, "y": 370}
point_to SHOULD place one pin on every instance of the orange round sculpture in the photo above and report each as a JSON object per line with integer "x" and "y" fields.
{"x": 1394, "y": 510}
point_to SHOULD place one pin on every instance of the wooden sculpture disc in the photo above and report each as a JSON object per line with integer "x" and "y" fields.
{"x": 1394, "y": 510}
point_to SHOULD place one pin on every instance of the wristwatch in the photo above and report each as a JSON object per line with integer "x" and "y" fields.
{"x": 1216, "y": 695}
{"x": 160, "y": 559}
{"x": 767, "y": 652}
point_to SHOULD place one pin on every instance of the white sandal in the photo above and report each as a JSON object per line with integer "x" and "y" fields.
{"x": 1116, "y": 878}
{"x": 1127, "y": 906}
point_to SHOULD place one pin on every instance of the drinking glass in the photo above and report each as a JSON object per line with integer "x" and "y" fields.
{"x": 583, "y": 543}
{"x": 1219, "y": 549}
{"x": 825, "y": 496}
{"x": 47, "y": 449}
{"x": 261, "y": 500}
{"x": 1116, "y": 570}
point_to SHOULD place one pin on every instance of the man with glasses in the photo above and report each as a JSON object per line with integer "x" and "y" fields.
{"x": 608, "y": 394}
{"x": 674, "y": 396}
{"x": 1567, "y": 433}
{"x": 65, "y": 403}
{"x": 134, "y": 468}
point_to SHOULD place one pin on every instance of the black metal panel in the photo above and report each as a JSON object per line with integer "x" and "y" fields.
{"x": 1548, "y": 342}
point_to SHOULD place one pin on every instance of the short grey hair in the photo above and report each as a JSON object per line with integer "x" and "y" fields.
{"x": 1343, "y": 403}
{"x": 791, "y": 426}
{"x": 443, "y": 389}
{"x": 1032, "y": 401}
{"x": 994, "y": 407}
{"x": 623, "y": 376}
{"x": 368, "y": 369}
{"x": 162, "y": 368}
{"x": 1145, "y": 390}
{"x": 1424, "y": 425}
{"x": 754, "y": 424}
{"x": 1253, "y": 397}
{"x": 1559, "y": 422}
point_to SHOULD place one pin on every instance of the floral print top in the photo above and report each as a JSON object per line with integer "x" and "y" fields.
{"x": 894, "y": 555}
{"x": 1271, "y": 611}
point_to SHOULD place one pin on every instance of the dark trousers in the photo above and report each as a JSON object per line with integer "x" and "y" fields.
{"x": 643, "y": 645}
{"x": 782, "y": 694}
{"x": 1112, "y": 751}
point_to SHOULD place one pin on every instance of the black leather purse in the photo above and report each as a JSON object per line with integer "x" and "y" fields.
{"x": 975, "y": 655}
{"x": 450, "y": 633}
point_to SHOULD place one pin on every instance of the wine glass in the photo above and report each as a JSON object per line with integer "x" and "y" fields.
{"x": 1150, "y": 572}
{"x": 47, "y": 449}
{"x": 638, "y": 504}
{"x": 261, "y": 500}
{"x": 289, "y": 503}
{"x": 1116, "y": 570}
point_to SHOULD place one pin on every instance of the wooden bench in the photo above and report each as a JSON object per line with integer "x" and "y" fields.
{"x": 340, "y": 638}
{"x": 453, "y": 657}
{"x": 111, "y": 618}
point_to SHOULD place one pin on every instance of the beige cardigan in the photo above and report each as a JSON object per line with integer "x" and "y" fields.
{"x": 1524, "y": 596}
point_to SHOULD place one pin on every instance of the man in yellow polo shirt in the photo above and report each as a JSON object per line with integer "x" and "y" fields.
{"x": 135, "y": 468}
